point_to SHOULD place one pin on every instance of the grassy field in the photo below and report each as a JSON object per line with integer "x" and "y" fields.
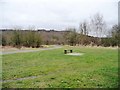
{"x": 97, "y": 68}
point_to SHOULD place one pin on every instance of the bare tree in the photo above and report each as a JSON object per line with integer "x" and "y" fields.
{"x": 83, "y": 36}
{"x": 83, "y": 28}
{"x": 98, "y": 25}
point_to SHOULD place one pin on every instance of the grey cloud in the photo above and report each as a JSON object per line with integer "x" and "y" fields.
{"x": 58, "y": 14}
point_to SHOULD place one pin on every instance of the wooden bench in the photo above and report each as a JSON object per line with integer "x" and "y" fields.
{"x": 67, "y": 51}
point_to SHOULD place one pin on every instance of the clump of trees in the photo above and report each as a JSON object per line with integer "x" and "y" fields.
{"x": 99, "y": 27}
{"x": 96, "y": 24}
{"x": 71, "y": 36}
{"x": 83, "y": 36}
{"x": 114, "y": 37}
{"x": 18, "y": 38}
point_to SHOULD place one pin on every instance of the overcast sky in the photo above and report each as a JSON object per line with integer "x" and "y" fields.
{"x": 55, "y": 14}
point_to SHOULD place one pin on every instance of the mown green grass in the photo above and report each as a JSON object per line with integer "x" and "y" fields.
{"x": 97, "y": 68}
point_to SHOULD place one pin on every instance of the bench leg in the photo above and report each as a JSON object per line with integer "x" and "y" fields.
{"x": 71, "y": 51}
{"x": 65, "y": 51}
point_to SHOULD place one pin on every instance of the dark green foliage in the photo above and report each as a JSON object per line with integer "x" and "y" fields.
{"x": 114, "y": 40}
{"x": 4, "y": 41}
{"x": 37, "y": 40}
{"x": 109, "y": 42}
{"x": 16, "y": 39}
{"x": 116, "y": 34}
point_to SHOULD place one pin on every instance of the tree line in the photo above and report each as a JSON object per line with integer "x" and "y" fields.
{"x": 18, "y": 38}
{"x": 98, "y": 27}
{"x": 71, "y": 36}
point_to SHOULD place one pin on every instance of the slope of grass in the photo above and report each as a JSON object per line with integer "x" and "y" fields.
{"x": 97, "y": 68}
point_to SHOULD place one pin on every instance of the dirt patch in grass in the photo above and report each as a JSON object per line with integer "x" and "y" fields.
{"x": 75, "y": 54}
